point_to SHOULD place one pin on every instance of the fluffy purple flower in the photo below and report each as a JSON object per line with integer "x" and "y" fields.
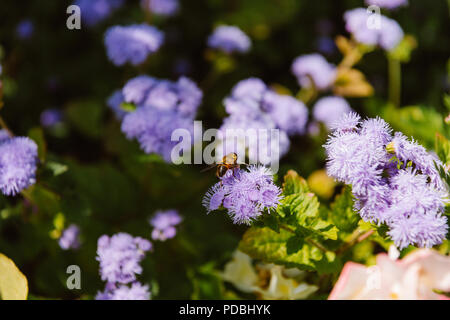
{"x": 164, "y": 223}
{"x": 394, "y": 180}
{"x": 162, "y": 7}
{"x": 153, "y": 129}
{"x": 245, "y": 194}
{"x": 18, "y": 161}
{"x": 132, "y": 43}
{"x": 114, "y": 103}
{"x": 25, "y": 29}
{"x": 136, "y": 291}
{"x": 183, "y": 96}
{"x": 254, "y": 110}
{"x": 162, "y": 107}
{"x": 120, "y": 257}
{"x": 314, "y": 66}
{"x": 51, "y": 117}
{"x": 330, "y": 109}
{"x": 387, "y": 34}
{"x": 229, "y": 39}
{"x": 289, "y": 114}
{"x": 95, "y": 11}
{"x": 70, "y": 238}
{"x": 388, "y": 4}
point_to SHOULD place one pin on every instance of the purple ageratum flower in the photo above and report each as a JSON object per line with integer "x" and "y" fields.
{"x": 387, "y": 4}
{"x": 120, "y": 257}
{"x": 136, "y": 291}
{"x": 245, "y": 194}
{"x": 51, "y": 117}
{"x": 153, "y": 129}
{"x": 95, "y": 11}
{"x": 25, "y": 29}
{"x": 387, "y": 35}
{"x": 164, "y": 223}
{"x": 114, "y": 103}
{"x": 162, "y": 7}
{"x": 330, "y": 109}
{"x": 70, "y": 238}
{"x": 253, "y": 106}
{"x": 229, "y": 39}
{"x": 404, "y": 192}
{"x": 289, "y": 114}
{"x": 132, "y": 43}
{"x": 314, "y": 66}
{"x": 183, "y": 96}
{"x": 18, "y": 162}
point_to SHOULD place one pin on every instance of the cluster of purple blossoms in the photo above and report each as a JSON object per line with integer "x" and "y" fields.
{"x": 162, "y": 7}
{"x": 120, "y": 257}
{"x": 25, "y": 29}
{"x": 316, "y": 68}
{"x": 95, "y": 11}
{"x": 387, "y": 4}
{"x": 18, "y": 162}
{"x": 132, "y": 43}
{"x": 229, "y": 39}
{"x": 330, "y": 109}
{"x": 162, "y": 107}
{"x": 245, "y": 194}
{"x": 70, "y": 238}
{"x": 387, "y": 34}
{"x": 252, "y": 105}
{"x": 51, "y": 117}
{"x": 164, "y": 223}
{"x": 394, "y": 180}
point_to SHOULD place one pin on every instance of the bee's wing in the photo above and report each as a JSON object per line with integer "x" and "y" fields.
{"x": 211, "y": 166}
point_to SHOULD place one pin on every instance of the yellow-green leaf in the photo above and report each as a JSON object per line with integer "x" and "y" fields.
{"x": 13, "y": 284}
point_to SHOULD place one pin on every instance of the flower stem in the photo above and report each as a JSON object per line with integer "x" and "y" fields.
{"x": 395, "y": 81}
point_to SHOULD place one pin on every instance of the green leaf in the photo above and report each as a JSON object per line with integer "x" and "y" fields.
{"x": 126, "y": 106}
{"x": 272, "y": 247}
{"x": 13, "y": 284}
{"x": 57, "y": 168}
{"x": 293, "y": 183}
{"x": 342, "y": 213}
{"x": 86, "y": 116}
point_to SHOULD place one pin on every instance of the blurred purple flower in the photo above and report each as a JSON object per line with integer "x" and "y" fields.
{"x": 120, "y": 257}
{"x": 162, "y": 7}
{"x": 245, "y": 194}
{"x": 25, "y": 29}
{"x": 123, "y": 292}
{"x": 132, "y": 43}
{"x": 314, "y": 66}
{"x": 330, "y": 109}
{"x": 229, "y": 39}
{"x": 18, "y": 162}
{"x": 387, "y": 36}
{"x": 388, "y": 4}
{"x": 164, "y": 223}
{"x": 70, "y": 238}
{"x": 95, "y": 11}
{"x": 51, "y": 117}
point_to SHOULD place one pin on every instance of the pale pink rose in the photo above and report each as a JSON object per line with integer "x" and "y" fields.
{"x": 412, "y": 278}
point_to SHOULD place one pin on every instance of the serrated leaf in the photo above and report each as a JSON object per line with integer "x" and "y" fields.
{"x": 13, "y": 284}
{"x": 270, "y": 246}
{"x": 293, "y": 183}
{"x": 342, "y": 213}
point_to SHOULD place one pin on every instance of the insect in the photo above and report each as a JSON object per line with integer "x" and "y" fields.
{"x": 228, "y": 162}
